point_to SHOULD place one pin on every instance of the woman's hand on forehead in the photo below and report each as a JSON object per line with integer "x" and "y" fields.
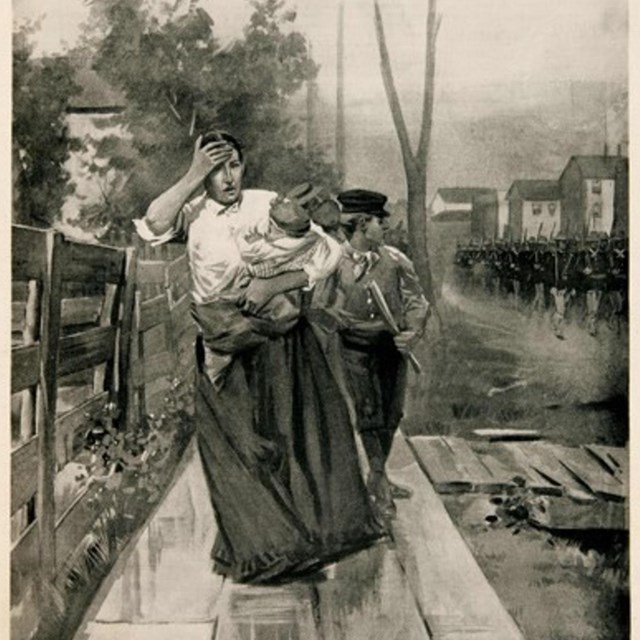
{"x": 208, "y": 157}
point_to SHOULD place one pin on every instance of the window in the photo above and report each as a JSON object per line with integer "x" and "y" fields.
{"x": 596, "y": 209}
{"x": 552, "y": 208}
{"x": 537, "y": 209}
{"x": 596, "y": 186}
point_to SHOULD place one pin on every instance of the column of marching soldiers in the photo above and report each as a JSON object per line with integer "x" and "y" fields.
{"x": 588, "y": 275}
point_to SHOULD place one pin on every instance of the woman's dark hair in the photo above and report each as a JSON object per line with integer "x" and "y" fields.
{"x": 220, "y": 136}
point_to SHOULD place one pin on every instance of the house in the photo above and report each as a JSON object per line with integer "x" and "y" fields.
{"x": 455, "y": 203}
{"x": 489, "y": 214}
{"x": 534, "y": 208}
{"x": 595, "y": 195}
{"x": 451, "y": 208}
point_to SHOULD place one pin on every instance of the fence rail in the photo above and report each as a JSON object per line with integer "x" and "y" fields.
{"x": 91, "y": 324}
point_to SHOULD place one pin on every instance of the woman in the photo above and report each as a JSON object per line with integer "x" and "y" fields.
{"x": 273, "y": 432}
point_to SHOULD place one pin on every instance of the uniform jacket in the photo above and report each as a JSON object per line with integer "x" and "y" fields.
{"x": 345, "y": 297}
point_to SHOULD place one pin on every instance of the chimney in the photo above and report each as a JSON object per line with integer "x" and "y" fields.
{"x": 619, "y": 149}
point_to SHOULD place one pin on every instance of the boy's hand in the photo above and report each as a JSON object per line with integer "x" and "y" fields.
{"x": 405, "y": 341}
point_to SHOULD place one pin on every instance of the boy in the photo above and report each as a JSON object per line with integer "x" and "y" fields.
{"x": 374, "y": 358}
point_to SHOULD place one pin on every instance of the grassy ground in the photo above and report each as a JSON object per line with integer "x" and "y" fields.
{"x": 495, "y": 367}
{"x": 574, "y": 391}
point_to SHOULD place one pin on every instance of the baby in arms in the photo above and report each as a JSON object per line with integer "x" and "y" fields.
{"x": 284, "y": 242}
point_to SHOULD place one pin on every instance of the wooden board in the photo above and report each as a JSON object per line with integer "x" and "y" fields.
{"x": 83, "y": 310}
{"x": 565, "y": 514}
{"x": 72, "y": 527}
{"x": 472, "y": 466}
{"x": 454, "y": 597}
{"x": 81, "y": 262}
{"x": 540, "y": 458}
{"x": 367, "y": 596}
{"x": 24, "y": 473}
{"x": 25, "y": 367}
{"x": 151, "y": 272}
{"x": 28, "y": 253}
{"x": 18, "y": 310}
{"x": 153, "y": 312}
{"x": 452, "y": 466}
{"x": 519, "y": 466}
{"x": 87, "y": 349}
{"x": 437, "y": 462}
{"x": 24, "y": 553}
{"x": 615, "y": 459}
{"x": 494, "y": 435}
{"x": 160, "y": 365}
{"x": 591, "y": 473}
{"x": 503, "y": 473}
{"x": 69, "y": 423}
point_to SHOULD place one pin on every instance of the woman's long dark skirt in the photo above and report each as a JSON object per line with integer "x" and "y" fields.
{"x": 281, "y": 463}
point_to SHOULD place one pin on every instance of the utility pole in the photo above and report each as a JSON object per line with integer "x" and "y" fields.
{"x": 340, "y": 125}
{"x": 311, "y": 108}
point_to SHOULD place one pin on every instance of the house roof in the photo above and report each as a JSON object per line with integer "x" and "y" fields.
{"x": 598, "y": 167}
{"x": 459, "y": 195}
{"x": 535, "y": 189}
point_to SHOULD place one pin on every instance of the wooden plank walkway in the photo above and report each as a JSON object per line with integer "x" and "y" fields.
{"x": 455, "y": 599}
{"x": 423, "y": 586}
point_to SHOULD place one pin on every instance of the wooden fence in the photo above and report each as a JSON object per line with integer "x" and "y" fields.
{"x": 91, "y": 324}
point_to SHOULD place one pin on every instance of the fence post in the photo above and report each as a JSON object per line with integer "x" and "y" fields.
{"x": 125, "y": 372}
{"x": 51, "y": 325}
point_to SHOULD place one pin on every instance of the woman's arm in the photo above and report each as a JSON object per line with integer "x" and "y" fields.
{"x": 163, "y": 211}
{"x": 260, "y": 290}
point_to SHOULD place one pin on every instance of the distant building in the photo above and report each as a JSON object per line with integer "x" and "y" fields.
{"x": 595, "y": 195}
{"x": 454, "y": 204}
{"x": 534, "y": 208}
{"x": 489, "y": 214}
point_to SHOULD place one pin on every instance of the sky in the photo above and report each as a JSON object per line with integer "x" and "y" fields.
{"x": 491, "y": 55}
{"x": 480, "y": 42}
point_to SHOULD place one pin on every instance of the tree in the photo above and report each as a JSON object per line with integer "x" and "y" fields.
{"x": 179, "y": 81}
{"x": 415, "y": 164}
{"x": 41, "y": 143}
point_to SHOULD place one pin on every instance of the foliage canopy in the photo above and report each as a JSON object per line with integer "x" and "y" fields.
{"x": 41, "y": 143}
{"x": 179, "y": 80}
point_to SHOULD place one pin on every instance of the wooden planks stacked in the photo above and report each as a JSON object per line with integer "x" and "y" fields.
{"x": 585, "y": 487}
{"x": 453, "y": 467}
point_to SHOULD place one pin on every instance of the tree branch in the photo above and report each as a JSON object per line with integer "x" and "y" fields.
{"x": 174, "y": 111}
{"x": 433, "y": 26}
{"x": 392, "y": 94}
{"x": 192, "y": 124}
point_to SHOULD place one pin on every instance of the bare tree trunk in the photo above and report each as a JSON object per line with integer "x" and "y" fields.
{"x": 415, "y": 164}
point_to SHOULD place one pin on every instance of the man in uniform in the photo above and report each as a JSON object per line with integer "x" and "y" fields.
{"x": 617, "y": 279}
{"x": 564, "y": 282}
{"x": 374, "y": 356}
{"x": 594, "y": 265}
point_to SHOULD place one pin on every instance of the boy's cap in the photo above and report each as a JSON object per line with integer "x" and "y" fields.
{"x": 363, "y": 201}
